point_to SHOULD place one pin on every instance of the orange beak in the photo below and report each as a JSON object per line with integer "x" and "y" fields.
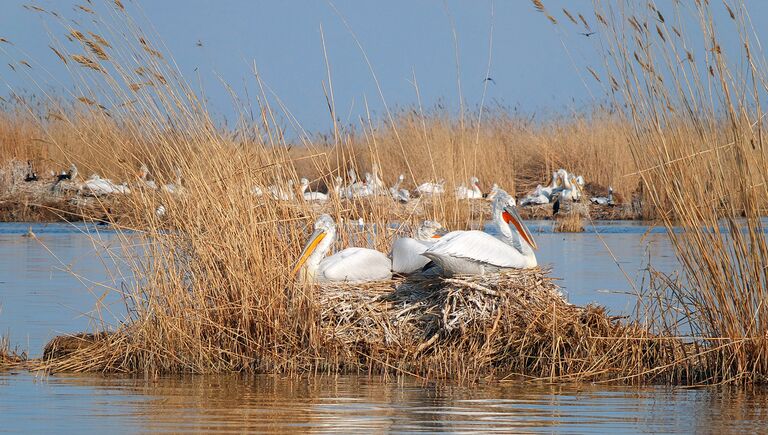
{"x": 314, "y": 240}
{"x": 511, "y": 216}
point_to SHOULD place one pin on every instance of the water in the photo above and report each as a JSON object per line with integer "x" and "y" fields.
{"x": 49, "y": 288}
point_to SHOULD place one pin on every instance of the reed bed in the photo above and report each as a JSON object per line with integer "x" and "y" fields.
{"x": 212, "y": 292}
{"x": 512, "y": 325}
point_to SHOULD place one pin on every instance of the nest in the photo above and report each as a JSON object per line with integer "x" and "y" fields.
{"x": 501, "y": 325}
{"x": 515, "y": 324}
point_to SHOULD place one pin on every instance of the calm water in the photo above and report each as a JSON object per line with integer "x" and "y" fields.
{"x": 51, "y": 287}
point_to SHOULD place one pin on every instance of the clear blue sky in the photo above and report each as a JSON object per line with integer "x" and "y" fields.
{"x": 531, "y": 68}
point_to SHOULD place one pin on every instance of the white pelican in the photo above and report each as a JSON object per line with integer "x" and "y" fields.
{"x": 174, "y": 187}
{"x": 375, "y": 182}
{"x": 477, "y": 253}
{"x": 571, "y": 188}
{"x": 398, "y": 194}
{"x": 431, "y": 188}
{"x": 348, "y": 265}
{"x": 357, "y": 189}
{"x": 280, "y": 193}
{"x": 603, "y": 200}
{"x": 472, "y": 192}
{"x": 145, "y": 178}
{"x": 494, "y": 191}
{"x": 543, "y": 195}
{"x": 311, "y": 196}
{"x": 97, "y": 186}
{"x": 407, "y": 252}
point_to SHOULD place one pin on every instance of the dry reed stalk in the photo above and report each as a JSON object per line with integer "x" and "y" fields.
{"x": 213, "y": 293}
{"x": 513, "y": 324}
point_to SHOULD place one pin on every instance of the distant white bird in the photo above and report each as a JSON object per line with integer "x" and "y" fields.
{"x": 493, "y": 192}
{"x": 97, "y": 186}
{"x": 257, "y": 191}
{"x": 426, "y": 189}
{"x": 477, "y": 253}
{"x": 398, "y": 194}
{"x": 471, "y": 192}
{"x": 357, "y": 189}
{"x": 174, "y": 188}
{"x": 407, "y": 252}
{"x": 145, "y": 178}
{"x": 311, "y": 196}
{"x": 543, "y": 195}
{"x": 571, "y": 188}
{"x": 348, "y": 265}
{"x": 281, "y": 193}
{"x": 375, "y": 182}
{"x": 603, "y": 200}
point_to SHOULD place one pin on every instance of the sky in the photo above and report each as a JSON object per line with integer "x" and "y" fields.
{"x": 536, "y": 67}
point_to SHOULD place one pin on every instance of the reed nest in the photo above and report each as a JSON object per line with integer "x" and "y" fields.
{"x": 499, "y": 326}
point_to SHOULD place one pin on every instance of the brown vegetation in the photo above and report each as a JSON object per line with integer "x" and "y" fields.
{"x": 214, "y": 294}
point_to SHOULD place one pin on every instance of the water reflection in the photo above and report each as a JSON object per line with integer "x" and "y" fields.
{"x": 353, "y": 404}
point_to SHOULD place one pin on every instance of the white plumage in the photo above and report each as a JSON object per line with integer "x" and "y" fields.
{"x": 407, "y": 252}
{"x": 431, "y": 188}
{"x": 97, "y": 186}
{"x": 477, "y": 253}
{"x": 471, "y": 192}
{"x": 348, "y": 265}
{"x": 311, "y": 196}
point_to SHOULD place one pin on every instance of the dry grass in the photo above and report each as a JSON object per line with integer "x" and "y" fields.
{"x": 509, "y": 325}
{"x": 213, "y": 294}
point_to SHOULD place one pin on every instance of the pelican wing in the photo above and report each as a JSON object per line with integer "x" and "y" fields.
{"x": 355, "y": 265}
{"x": 479, "y": 247}
{"x": 406, "y": 255}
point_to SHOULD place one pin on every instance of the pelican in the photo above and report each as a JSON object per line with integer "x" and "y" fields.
{"x": 280, "y": 193}
{"x": 472, "y": 192}
{"x": 97, "y": 186}
{"x": 257, "y": 191}
{"x": 407, "y": 252}
{"x": 398, "y": 194}
{"x": 477, "y": 253}
{"x": 603, "y": 200}
{"x": 357, "y": 189}
{"x": 543, "y": 195}
{"x": 377, "y": 186}
{"x": 311, "y": 196}
{"x": 431, "y": 188}
{"x": 494, "y": 191}
{"x": 571, "y": 188}
{"x": 174, "y": 187}
{"x": 145, "y": 178}
{"x": 348, "y": 265}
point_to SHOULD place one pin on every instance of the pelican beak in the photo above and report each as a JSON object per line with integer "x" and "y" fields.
{"x": 314, "y": 240}
{"x": 512, "y": 217}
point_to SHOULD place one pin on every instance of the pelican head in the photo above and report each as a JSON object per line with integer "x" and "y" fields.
{"x": 400, "y": 178}
{"x": 505, "y": 209}
{"x": 143, "y": 171}
{"x": 318, "y": 244}
{"x": 304, "y": 182}
{"x": 428, "y": 230}
{"x": 474, "y": 180}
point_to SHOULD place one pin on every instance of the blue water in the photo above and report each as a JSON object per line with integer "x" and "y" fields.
{"x": 49, "y": 285}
